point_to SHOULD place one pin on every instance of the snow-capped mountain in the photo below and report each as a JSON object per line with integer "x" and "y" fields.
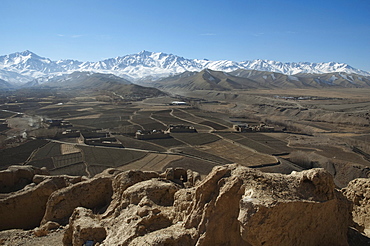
{"x": 22, "y": 67}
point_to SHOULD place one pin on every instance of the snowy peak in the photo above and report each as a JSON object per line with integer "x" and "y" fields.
{"x": 23, "y": 59}
{"x": 301, "y": 67}
{"x": 22, "y": 67}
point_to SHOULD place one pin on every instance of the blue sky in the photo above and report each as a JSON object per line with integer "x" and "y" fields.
{"x": 287, "y": 31}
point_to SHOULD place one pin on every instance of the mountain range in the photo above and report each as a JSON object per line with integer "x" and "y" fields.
{"x": 99, "y": 82}
{"x": 24, "y": 67}
{"x": 252, "y": 79}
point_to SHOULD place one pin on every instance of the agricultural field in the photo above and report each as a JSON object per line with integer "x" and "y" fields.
{"x": 221, "y": 119}
{"x": 238, "y": 154}
{"x": 56, "y": 157}
{"x": 44, "y": 162}
{"x": 144, "y": 120}
{"x": 203, "y": 167}
{"x": 110, "y": 157}
{"x": 78, "y": 169}
{"x": 67, "y": 159}
{"x": 19, "y": 155}
{"x": 259, "y": 142}
{"x": 49, "y": 150}
{"x": 214, "y": 125}
{"x": 330, "y": 128}
{"x": 152, "y": 162}
{"x": 195, "y": 139}
{"x": 166, "y": 117}
{"x": 130, "y": 142}
{"x": 166, "y": 142}
{"x": 186, "y": 115}
{"x": 191, "y": 120}
{"x": 195, "y": 152}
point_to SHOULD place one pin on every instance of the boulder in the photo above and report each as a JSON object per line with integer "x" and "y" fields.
{"x": 172, "y": 235}
{"x": 45, "y": 229}
{"x": 121, "y": 182}
{"x": 358, "y": 192}
{"x": 233, "y": 205}
{"x": 109, "y": 172}
{"x": 144, "y": 208}
{"x": 94, "y": 193}
{"x": 84, "y": 229}
{"x": 24, "y": 209}
{"x": 16, "y": 177}
{"x": 239, "y": 206}
{"x": 187, "y": 178}
{"x": 68, "y": 179}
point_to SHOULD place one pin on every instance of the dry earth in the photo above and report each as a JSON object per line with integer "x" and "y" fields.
{"x": 233, "y": 205}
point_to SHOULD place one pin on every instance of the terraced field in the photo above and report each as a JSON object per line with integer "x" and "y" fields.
{"x": 166, "y": 142}
{"x": 259, "y": 142}
{"x": 109, "y": 157}
{"x": 152, "y": 162}
{"x": 210, "y": 116}
{"x": 44, "y": 162}
{"x": 143, "y": 118}
{"x": 78, "y": 169}
{"x": 19, "y": 154}
{"x": 191, "y": 120}
{"x": 196, "y": 138}
{"x": 49, "y": 150}
{"x": 194, "y": 152}
{"x": 166, "y": 117}
{"x": 213, "y": 125}
{"x": 130, "y": 142}
{"x": 238, "y": 154}
{"x": 203, "y": 167}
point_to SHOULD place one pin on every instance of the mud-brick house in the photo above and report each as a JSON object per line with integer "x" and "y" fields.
{"x": 258, "y": 128}
{"x": 180, "y": 129}
{"x": 242, "y": 128}
{"x": 57, "y": 123}
{"x": 265, "y": 128}
{"x": 86, "y": 136}
{"x": 99, "y": 139}
{"x": 153, "y": 134}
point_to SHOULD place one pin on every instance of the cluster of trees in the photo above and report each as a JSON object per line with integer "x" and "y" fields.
{"x": 290, "y": 125}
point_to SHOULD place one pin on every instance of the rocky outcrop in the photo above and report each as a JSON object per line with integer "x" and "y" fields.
{"x": 15, "y": 178}
{"x": 358, "y": 192}
{"x": 70, "y": 180}
{"x": 24, "y": 209}
{"x": 233, "y": 205}
{"x": 94, "y": 193}
{"x": 32, "y": 186}
{"x": 84, "y": 227}
{"x": 239, "y": 206}
{"x": 144, "y": 208}
{"x": 46, "y": 228}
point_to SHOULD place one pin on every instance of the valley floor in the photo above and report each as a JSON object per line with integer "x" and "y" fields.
{"x": 327, "y": 129}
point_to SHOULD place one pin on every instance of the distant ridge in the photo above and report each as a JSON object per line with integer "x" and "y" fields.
{"x": 252, "y": 79}
{"x": 103, "y": 82}
{"x": 23, "y": 67}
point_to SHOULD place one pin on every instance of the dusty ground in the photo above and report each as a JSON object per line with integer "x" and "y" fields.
{"x": 27, "y": 238}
